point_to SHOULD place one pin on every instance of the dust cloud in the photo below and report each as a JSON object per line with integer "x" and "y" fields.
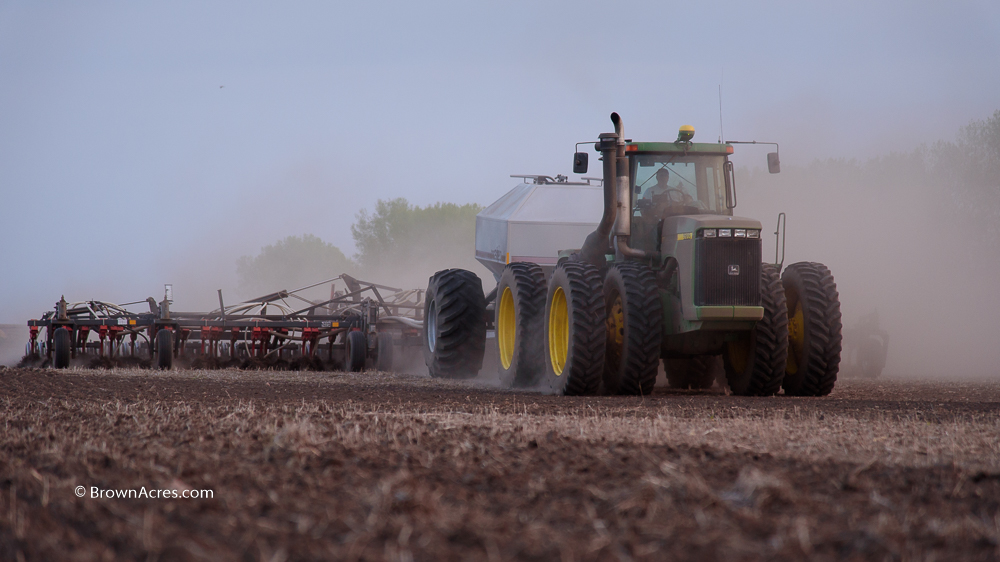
{"x": 13, "y": 338}
{"x": 887, "y": 227}
{"x": 892, "y": 235}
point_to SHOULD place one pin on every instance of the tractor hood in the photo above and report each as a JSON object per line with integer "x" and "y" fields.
{"x": 681, "y": 236}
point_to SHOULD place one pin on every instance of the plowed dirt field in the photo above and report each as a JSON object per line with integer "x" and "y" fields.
{"x": 377, "y": 466}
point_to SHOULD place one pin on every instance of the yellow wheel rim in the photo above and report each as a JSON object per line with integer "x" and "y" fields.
{"x": 506, "y": 328}
{"x": 558, "y": 331}
{"x": 796, "y": 338}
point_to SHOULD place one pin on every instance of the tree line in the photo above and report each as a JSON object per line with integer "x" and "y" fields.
{"x": 398, "y": 244}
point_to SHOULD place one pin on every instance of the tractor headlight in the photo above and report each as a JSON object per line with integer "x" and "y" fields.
{"x": 740, "y": 233}
{"x": 753, "y": 234}
{"x": 708, "y": 233}
{"x": 725, "y": 233}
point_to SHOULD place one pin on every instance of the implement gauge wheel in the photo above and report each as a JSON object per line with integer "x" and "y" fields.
{"x": 383, "y": 359}
{"x": 454, "y": 324}
{"x": 574, "y": 330}
{"x": 634, "y": 317}
{"x": 519, "y": 317}
{"x": 61, "y": 343}
{"x": 165, "y": 349}
{"x": 755, "y": 363}
{"x": 814, "y": 329}
{"x": 356, "y": 350}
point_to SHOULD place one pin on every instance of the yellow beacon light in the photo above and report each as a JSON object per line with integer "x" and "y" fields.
{"x": 685, "y": 134}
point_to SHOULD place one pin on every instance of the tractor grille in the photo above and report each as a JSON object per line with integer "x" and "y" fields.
{"x": 715, "y": 283}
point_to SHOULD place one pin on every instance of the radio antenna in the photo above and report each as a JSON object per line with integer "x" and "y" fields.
{"x": 722, "y": 133}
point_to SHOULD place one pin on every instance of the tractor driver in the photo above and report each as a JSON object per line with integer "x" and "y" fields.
{"x": 662, "y": 176}
{"x": 663, "y": 194}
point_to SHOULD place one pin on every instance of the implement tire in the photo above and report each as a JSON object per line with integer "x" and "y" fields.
{"x": 871, "y": 357}
{"x": 634, "y": 323}
{"x": 165, "y": 349}
{"x": 384, "y": 352}
{"x": 814, "y": 329}
{"x": 454, "y": 324}
{"x": 519, "y": 316}
{"x": 61, "y": 348}
{"x": 691, "y": 372}
{"x": 574, "y": 330}
{"x": 355, "y": 351}
{"x": 755, "y": 363}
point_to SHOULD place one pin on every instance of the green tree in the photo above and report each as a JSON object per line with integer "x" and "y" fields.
{"x": 292, "y": 263}
{"x": 402, "y": 244}
{"x": 970, "y": 170}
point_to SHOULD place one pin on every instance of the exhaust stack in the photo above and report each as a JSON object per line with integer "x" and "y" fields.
{"x": 617, "y": 202}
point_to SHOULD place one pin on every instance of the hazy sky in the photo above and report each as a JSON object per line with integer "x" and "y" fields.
{"x": 144, "y": 144}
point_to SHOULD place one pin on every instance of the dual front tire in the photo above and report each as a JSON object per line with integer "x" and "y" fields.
{"x": 796, "y": 345}
{"x": 814, "y": 329}
{"x": 755, "y": 361}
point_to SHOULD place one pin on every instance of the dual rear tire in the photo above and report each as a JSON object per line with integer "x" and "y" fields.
{"x": 574, "y": 334}
{"x": 520, "y": 312}
{"x": 589, "y": 334}
{"x": 633, "y": 329}
{"x": 551, "y": 335}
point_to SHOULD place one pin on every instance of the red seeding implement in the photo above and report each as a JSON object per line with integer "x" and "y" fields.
{"x": 357, "y": 327}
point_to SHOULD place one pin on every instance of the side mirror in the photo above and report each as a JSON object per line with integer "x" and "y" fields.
{"x": 773, "y": 164}
{"x": 580, "y": 163}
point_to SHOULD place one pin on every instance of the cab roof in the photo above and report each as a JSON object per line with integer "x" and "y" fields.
{"x": 681, "y": 147}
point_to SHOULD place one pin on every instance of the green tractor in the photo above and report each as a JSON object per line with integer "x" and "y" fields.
{"x": 668, "y": 273}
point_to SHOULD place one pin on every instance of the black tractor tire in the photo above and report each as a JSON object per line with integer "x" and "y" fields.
{"x": 165, "y": 349}
{"x": 574, "y": 330}
{"x": 454, "y": 324}
{"x": 814, "y": 329}
{"x": 755, "y": 363}
{"x": 62, "y": 343}
{"x": 519, "y": 315}
{"x": 696, "y": 373}
{"x": 634, "y": 327}
{"x": 355, "y": 351}
{"x": 384, "y": 352}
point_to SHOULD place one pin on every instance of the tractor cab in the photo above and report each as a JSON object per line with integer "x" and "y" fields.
{"x": 676, "y": 183}
{"x": 674, "y": 179}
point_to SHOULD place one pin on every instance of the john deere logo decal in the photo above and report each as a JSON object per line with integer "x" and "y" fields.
{"x": 734, "y": 269}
